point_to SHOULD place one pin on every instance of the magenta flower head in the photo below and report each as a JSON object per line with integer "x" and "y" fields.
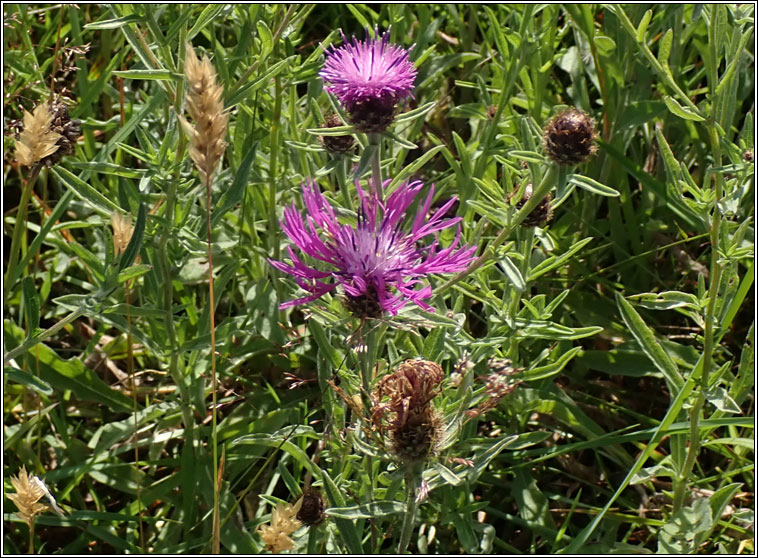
{"x": 379, "y": 267}
{"x": 369, "y": 78}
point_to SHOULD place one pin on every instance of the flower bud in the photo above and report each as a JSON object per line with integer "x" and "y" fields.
{"x": 312, "y": 509}
{"x": 541, "y": 214}
{"x": 336, "y": 145}
{"x": 569, "y": 138}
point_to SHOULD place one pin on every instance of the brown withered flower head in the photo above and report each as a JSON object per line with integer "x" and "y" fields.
{"x": 541, "y": 214}
{"x": 569, "y": 137}
{"x": 312, "y": 509}
{"x": 415, "y": 427}
{"x": 337, "y": 145}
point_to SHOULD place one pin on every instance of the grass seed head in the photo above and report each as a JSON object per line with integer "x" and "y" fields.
{"x": 38, "y": 140}
{"x": 122, "y": 231}
{"x": 206, "y": 109}
{"x": 29, "y": 492}
{"x": 569, "y": 137}
{"x": 276, "y": 535}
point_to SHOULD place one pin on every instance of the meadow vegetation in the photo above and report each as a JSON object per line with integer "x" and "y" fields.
{"x": 481, "y": 278}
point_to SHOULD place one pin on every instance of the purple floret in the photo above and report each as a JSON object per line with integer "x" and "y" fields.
{"x": 375, "y": 259}
{"x": 370, "y": 70}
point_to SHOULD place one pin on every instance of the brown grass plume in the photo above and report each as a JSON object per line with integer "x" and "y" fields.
{"x": 205, "y": 107}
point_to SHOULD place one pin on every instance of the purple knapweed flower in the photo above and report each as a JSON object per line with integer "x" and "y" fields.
{"x": 369, "y": 78}
{"x": 379, "y": 266}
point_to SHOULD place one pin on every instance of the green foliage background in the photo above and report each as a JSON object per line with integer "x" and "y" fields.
{"x": 631, "y": 313}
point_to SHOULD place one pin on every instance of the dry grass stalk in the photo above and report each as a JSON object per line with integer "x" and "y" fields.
{"x": 206, "y": 109}
{"x": 37, "y": 140}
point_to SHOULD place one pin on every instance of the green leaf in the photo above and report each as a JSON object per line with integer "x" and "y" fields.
{"x": 682, "y": 112}
{"x": 413, "y": 167}
{"x": 412, "y": 115}
{"x": 135, "y": 242}
{"x": 554, "y": 261}
{"x": 25, "y": 379}
{"x": 31, "y": 306}
{"x": 513, "y": 274}
{"x": 719, "y": 398}
{"x": 109, "y": 168}
{"x": 664, "y": 50}
{"x": 333, "y": 131}
{"x": 592, "y": 185}
{"x": 678, "y": 535}
{"x": 69, "y": 374}
{"x": 649, "y": 344}
{"x": 332, "y": 355}
{"x": 208, "y": 15}
{"x": 133, "y": 272}
{"x": 266, "y": 37}
{"x": 84, "y": 191}
{"x": 149, "y": 74}
{"x": 542, "y": 372}
{"x": 433, "y": 344}
{"x": 377, "y": 508}
{"x": 642, "y": 27}
{"x": 346, "y": 527}
{"x": 114, "y": 23}
{"x": 233, "y": 195}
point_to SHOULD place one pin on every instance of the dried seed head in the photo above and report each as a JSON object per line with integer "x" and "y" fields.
{"x": 206, "y": 109}
{"x": 569, "y": 138}
{"x": 37, "y": 140}
{"x": 541, "y": 214}
{"x": 122, "y": 231}
{"x": 417, "y": 438}
{"x": 498, "y": 382}
{"x": 29, "y": 491}
{"x": 313, "y": 506}
{"x": 411, "y": 386}
{"x": 337, "y": 145}
{"x": 416, "y": 427}
{"x": 276, "y": 535}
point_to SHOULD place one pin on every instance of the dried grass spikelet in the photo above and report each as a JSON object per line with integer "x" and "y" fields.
{"x": 37, "y": 140}
{"x": 206, "y": 109}
{"x": 284, "y": 522}
{"x": 122, "y": 231}
{"x": 29, "y": 491}
{"x": 499, "y": 383}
